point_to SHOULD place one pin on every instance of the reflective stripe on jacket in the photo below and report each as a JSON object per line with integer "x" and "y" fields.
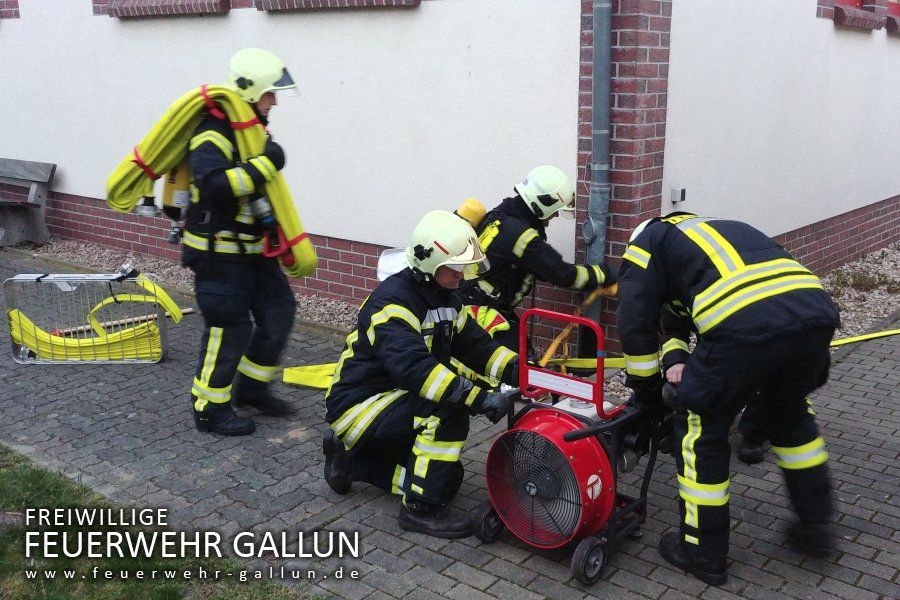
{"x": 406, "y": 334}
{"x": 730, "y": 280}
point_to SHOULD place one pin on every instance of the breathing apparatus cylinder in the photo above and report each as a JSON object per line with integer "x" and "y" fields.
{"x": 176, "y": 198}
{"x": 261, "y": 209}
{"x": 471, "y": 210}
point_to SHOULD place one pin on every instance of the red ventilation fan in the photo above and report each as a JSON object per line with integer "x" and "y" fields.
{"x": 552, "y": 476}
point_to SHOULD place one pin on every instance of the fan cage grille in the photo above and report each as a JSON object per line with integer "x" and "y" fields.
{"x": 534, "y": 489}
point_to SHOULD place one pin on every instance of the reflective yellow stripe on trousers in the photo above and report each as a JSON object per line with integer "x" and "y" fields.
{"x": 801, "y": 457}
{"x": 354, "y": 422}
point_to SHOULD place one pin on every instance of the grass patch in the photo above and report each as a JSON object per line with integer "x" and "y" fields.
{"x": 24, "y": 485}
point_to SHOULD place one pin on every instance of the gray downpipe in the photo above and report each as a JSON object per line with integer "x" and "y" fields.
{"x": 594, "y": 228}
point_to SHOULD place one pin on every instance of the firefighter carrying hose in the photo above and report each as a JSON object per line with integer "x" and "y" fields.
{"x": 223, "y": 241}
{"x": 764, "y": 322}
{"x": 514, "y": 238}
{"x": 399, "y": 414}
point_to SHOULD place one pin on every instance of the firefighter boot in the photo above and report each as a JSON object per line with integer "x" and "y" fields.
{"x": 438, "y": 521}
{"x": 256, "y": 394}
{"x": 337, "y": 463}
{"x": 710, "y": 572}
{"x": 812, "y": 539}
{"x": 751, "y": 452}
{"x": 221, "y": 419}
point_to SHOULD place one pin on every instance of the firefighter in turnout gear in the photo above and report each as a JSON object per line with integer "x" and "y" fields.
{"x": 514, "y": 238}
{"x": 399, "y": 414}
{"x": 223, "y": 246}
{"x": 764, "y": 322}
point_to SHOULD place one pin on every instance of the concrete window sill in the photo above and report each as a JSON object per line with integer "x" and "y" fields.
{"x": 129, "y": 9}
{"x": 298, "y": 5}
{"x": 856, "y": 18}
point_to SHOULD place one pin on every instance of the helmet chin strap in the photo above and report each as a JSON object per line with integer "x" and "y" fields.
{"x": 262, "y": 118}
{"x": 421, "y": 275}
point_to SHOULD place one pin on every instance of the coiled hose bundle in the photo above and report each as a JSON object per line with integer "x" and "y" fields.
{"x": 167, "y": 144}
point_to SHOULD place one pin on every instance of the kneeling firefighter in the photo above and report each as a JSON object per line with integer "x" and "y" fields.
{"x": 223, "y": 241}
{"x": 399, "y": 414}
{"x": 764, "y": 322}
{"x": 514, "y": 238}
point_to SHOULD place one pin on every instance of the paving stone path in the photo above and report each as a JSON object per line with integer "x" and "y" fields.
{"x": 127, "y": 431}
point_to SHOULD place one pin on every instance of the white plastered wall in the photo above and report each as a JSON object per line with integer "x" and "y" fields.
{"x": 400, "y": 111}
{"x": 776, "y": 117}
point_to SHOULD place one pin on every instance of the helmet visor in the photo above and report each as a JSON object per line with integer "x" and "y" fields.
{"x": 567, "y": 212}
{"x": 470, "y": 255}
{"x": 285, "y": 84}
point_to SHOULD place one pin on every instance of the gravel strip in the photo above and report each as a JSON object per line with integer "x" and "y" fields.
{"x": 323, "y": 311}
{"x": 866, "y": 291}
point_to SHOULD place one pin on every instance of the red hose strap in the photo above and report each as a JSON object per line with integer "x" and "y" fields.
{"x": 211, "y": 104}
{"x": 297, "y": 239}
{"x": 140, "y": 162}
{"x": 245, "y": 124}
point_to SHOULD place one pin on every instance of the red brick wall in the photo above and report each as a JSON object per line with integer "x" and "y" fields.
{"x": 843, "y": 238}
{"x": 346, "y": 268}
{"x": 285, "y": 5}
{"x": 9, "y": 9}
{"x": 164, "y": 7}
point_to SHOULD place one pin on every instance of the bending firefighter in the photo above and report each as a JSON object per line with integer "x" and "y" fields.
{"x": 223, "y": 243}
{"x": 513, "y": 236}
{"x": 762, "y": 320}
{"x": 399, "y": 414}
{"x": 677, "y": 326}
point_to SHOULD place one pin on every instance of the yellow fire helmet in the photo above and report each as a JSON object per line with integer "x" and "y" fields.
{"x": 547, "y": 191}
{"x": 252, "y": 72}
{"x": 442, "y": 238}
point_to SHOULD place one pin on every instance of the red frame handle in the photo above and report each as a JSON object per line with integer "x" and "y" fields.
{"x": 547, "y": 380}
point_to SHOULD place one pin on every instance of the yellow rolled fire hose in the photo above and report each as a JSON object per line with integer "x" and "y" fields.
{"x": 141, "y": 342}
{"x": 167, "y": 144}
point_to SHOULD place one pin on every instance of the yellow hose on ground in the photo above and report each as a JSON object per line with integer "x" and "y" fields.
{"x": 167, "y": 144}
{"x": 141, "y": 342}
{"x": 319, "y": 376}
{"x": 314, "y": 376}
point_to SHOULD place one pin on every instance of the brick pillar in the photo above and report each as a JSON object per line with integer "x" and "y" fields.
{"x": 640, "y": 73}
{"x": 9, "y": 9}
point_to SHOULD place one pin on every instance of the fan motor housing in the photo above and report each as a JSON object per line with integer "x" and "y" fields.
{"x": 546, "y": 490}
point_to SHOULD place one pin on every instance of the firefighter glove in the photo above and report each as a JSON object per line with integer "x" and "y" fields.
{"x": 274, "y": 153}
{"x": 670, "y": 396}
{"x": 493, "y": 405}
{"x": 648, "y": 394}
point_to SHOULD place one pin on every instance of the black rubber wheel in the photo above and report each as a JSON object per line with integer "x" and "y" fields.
{"x": 588, "y": 560}
{"x": 635, "y": 533}
{"x": 488, "y": 525}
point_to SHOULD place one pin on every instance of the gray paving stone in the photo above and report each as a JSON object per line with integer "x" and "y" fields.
{"x": 127, "y": 431}
{"x": 477, "y": 578}
{"x": 630, "y": 581}
{"x": 507, "y": 571}
{"x": 511, "y": 591}
{"x": 427, "y": 559}
{"x": 850, "y": 592}
{"x": 550, "y": 588}
{"x": 432, "y": 580}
